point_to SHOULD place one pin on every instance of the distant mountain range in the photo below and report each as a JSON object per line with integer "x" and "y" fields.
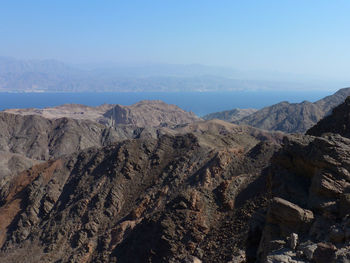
{"x": 54, "y": 76}
{"x": 285, "y": 116}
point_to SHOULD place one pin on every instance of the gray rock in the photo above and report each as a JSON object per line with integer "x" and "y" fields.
{"x": 308, "y": 248}
{"x": 293, "y": 240}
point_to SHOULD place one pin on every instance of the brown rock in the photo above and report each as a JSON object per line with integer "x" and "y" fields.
{"x": 324, "y": 253}
{"x": 285, "y": 213}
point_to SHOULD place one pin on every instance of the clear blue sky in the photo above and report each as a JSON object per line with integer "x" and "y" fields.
{"x": 295, "y": 36}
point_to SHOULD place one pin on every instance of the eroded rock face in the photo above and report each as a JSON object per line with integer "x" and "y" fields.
{"x": 337, "y": 122}
{"x": 310, "y": 180}
{"x": 171, "y": 199}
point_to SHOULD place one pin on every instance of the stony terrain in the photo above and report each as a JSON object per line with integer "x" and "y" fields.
{"x": 141, "y": 200}
{"x": 207, "y": 191}
{"x": 230, "y": 115}
{"x": 308, "y": 217}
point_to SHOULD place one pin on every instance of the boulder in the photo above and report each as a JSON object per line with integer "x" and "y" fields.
{"x": 289, "y": 215}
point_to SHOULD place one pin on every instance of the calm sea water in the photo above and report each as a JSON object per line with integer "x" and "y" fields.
{"x": 200, "y": 103}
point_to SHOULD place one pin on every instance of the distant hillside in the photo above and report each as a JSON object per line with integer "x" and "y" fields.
{"x": 18, "y": 75}
{"x": 294, "y": 117}
{"x": 150, "y": 113}
{"x": 230, "y": 115}
{"x": 146, "y": 113}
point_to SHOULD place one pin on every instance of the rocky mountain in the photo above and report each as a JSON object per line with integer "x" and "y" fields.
{"x": 294, "y": 117}
{"x": 206, "y": 191}
{"x": 230, "y": 115}
{"x": 146, "y": 113}
{"x": 39, "y": 138}
{"x": 160, "y": 200}
{"x": 27, "y": 140}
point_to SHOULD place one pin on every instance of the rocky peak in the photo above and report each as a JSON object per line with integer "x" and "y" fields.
{"x": 337, "y": 122}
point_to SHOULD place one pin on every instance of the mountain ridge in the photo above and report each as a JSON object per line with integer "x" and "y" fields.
{"x": 142, "y": 113}
{"x": 294, "y": 117}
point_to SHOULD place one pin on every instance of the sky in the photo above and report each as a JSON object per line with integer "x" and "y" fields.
{"x": 295, "y": 36}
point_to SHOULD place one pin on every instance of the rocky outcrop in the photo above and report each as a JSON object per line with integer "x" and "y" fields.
{"x": 310, "y": 182}
{"x": 294, "y": 117}
{"x": 338, "y": 122}
{"x": 150, "y": 113}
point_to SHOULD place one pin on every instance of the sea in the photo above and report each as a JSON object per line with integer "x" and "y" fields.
{"x": 201, "y": 103}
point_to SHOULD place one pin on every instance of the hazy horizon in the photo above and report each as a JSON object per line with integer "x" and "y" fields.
{"x": 286, "y": 37}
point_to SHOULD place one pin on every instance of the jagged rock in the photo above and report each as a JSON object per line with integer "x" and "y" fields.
{"x": 116, "y": 204}
{"x": 312, "y": 173}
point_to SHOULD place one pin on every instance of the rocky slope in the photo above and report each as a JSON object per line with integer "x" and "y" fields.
{"x": 27, "y": 140}
{"x": 338, "y": 122}
{"x": 230, "y": 115}
{"x": 308, "y": 217}
{"x": 40, "y": 134}
{"x": 294, "y": 117}
{"x": 40, "y": 138}
{"x": 160, "y": 200}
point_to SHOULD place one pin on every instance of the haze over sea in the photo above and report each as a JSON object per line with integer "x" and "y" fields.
{"x": 200, "y": 103}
